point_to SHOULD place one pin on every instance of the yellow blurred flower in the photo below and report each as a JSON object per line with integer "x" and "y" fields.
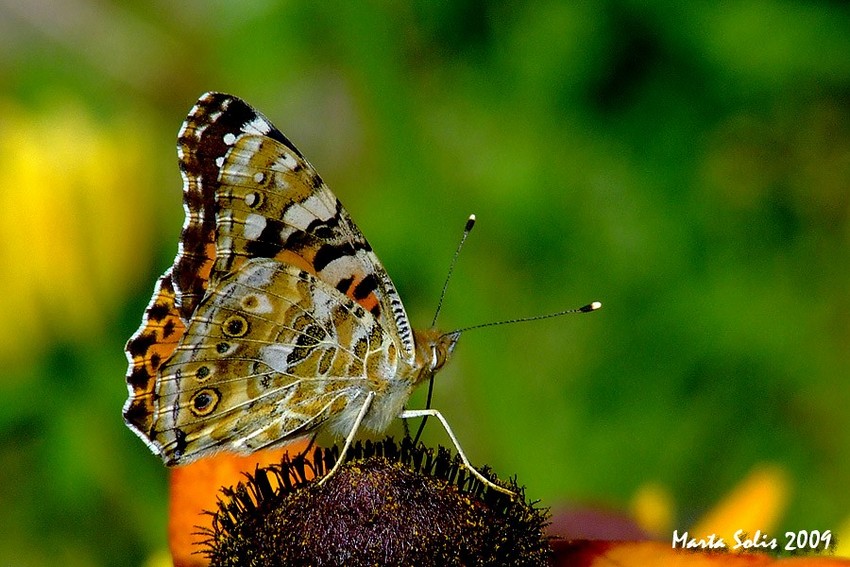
{"x": 72, "y": 211}
{"x": 842, "y": 536}
{"x": 653, "y": 510}
{"x": 757, "y": 503}
{"x": 751, "y": 510}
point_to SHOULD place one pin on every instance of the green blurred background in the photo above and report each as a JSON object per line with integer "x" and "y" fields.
{"x": 688, "y": 166}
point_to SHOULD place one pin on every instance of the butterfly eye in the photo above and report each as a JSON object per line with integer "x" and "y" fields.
{"x": 439, "y": 355}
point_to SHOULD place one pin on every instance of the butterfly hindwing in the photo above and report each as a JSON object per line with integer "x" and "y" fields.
{"x": 154, "y": 343}
{"x": 271, "y": 354}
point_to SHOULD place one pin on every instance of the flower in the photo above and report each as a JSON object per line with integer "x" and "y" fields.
{"x": 72, "y": 224}
{"x": 388, "y": 504}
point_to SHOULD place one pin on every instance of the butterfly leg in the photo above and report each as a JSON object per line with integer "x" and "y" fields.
{"x": 409, "y": 414}
{"x": 350, "y": 438}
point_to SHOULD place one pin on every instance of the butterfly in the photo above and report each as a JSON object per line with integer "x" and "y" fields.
{"x": 276, "y": 320}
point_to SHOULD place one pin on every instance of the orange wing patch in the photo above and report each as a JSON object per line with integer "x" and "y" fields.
{"x": 153, "y": 344}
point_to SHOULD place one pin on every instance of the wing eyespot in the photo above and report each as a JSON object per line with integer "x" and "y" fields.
{"x": 235, "y": 326}
{"x": 204, "y": 402}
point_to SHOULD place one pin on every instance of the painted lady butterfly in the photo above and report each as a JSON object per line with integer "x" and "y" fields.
{"x": 276, "y": 319}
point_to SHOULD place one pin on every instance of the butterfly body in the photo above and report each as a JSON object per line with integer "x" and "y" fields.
{"x": 276, "y": 320}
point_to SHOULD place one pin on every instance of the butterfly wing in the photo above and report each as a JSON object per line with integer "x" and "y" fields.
{"x": 201, "y": 150}
{"x": 273, "y": 204}
{"x": 271, "y": 354}
{"x": 201, "y": 147}
{"x": 154, "y": 342}
{"x": 249, "y": 192}
{"x": 249, "y": 195}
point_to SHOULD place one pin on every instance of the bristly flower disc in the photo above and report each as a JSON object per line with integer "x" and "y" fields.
{"x": 389, "y": 504}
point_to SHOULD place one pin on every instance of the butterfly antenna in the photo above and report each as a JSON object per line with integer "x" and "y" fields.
{"x": 584, "y": 309}
{"x": 470, "y": 222}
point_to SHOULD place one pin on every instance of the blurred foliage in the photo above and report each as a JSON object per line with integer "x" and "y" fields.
{"x": 686, "y": 164}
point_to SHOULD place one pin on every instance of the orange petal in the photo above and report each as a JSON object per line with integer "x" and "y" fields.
{"x": 194, "y": 489}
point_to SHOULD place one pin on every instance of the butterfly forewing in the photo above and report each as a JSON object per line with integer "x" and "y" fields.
{"x": 205, "y": 138}
{"x": 273, "y": 204}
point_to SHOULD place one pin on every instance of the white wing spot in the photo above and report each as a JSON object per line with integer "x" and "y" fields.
{"x": 286, "y": 162}
{"x": 318, "y": 208}
{"x": 254, "y": 226}
{"x": 256, "y": 303}
{"x": 259, "y": 177}
{"x": 229, "y": 139}
{"x": 258, "y": 272}
{"x": 257, "y": 126}
{"x": 275, "y": 356}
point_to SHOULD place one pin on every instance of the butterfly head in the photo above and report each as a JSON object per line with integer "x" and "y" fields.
{"x": 433, "y": 349}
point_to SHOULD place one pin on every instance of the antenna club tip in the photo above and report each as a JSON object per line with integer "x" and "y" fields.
{"x": 591, "y": 307}
{"x": 470, "y": 222}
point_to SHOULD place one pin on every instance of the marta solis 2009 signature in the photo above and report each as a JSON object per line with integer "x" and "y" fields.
{"x": 799, "y": 541}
